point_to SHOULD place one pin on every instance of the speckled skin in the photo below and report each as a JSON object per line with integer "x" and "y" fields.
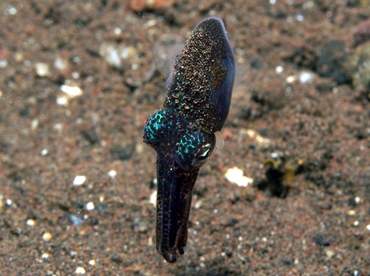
{"x": 182, "y": 132}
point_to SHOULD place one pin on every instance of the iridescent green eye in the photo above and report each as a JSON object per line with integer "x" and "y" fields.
{"x": 194, "y": 149}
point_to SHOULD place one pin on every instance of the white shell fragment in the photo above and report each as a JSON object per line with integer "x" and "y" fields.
{"x": 45, "y": 256}
{"x": 90, "y": 206}
{"x": 79, "y": 180}
{"x": 112, "y": 174}
{"x": 69, "y": 92}
{"x": 305, "y": 77}
{"x": 279, "y": 69}
{"x": 80, "y": 270}
{"x": 235, "y": 175}
{"x": 357, "y": 200}
{"x": 92, "y": 262}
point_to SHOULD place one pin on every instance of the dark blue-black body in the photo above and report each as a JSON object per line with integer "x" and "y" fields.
{"x": 182, "y": 132}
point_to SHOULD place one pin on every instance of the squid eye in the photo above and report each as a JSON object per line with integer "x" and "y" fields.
{"x": 203, "y": 154}
{"x": 194, "y": 149}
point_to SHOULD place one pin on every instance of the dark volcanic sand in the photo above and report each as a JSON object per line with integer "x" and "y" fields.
{"x": 306, "y": 145}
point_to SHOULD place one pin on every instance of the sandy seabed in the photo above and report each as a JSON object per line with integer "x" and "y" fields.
{"x": 298, "y": 126}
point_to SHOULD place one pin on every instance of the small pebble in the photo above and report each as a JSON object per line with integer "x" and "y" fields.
{"x": 274, "y": 155}
{"x": 61, "y": 64}
{"x": 42, "y": 69}
{"x": 75, "y": 75}
{"x": 142, "y": 227}
{"x": 44, "y": 152}
{"x": 141, "y": 5}
{"x": 118, "y": 56}
{"x": 10, "y": 11}
{"x": 3, "y": 63}
{"x": 47, "y": 236}
{"x": 112, "y": 174}
{"x": 262, "y": 141}
{"x": 76, "y": 60}
{"x": 357, "y": 200}
{"x": 79, "y": 180}
{"x": 290, "y": 79}
{"x": 279, "y": 69}
{"x": 150, "y": 241}
{"x": 351, "y": 212}
{"x": 117, "y": 31}
{"x": 30, "y": 222}
{"x": 69, "y": 92}
{"x": 62, "y": 100}
{"x": 58, "y": 127}
{"x": 329, "y": 253}
{"x": 153, "y": 198}
{"x": 75, "y": 220}
{"x": 198, "y": 204}
{"x": 34, "y": 124}
{"x": 18, "y": 57}
{"x": 299, "y": 17}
